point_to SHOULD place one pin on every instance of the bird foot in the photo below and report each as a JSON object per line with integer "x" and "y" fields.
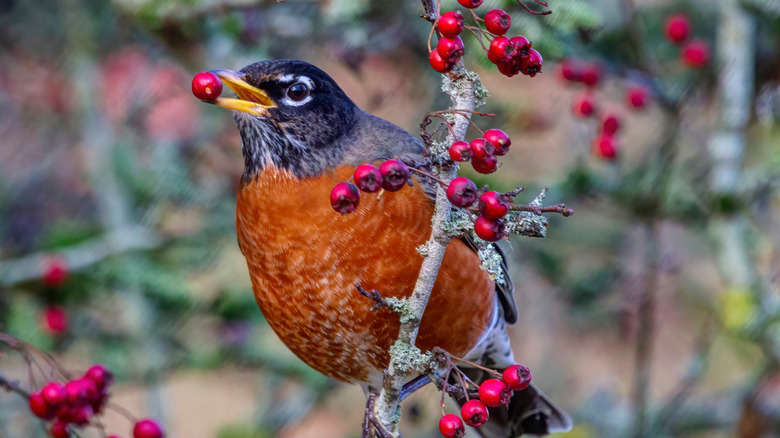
{"x": 372, "y": 427}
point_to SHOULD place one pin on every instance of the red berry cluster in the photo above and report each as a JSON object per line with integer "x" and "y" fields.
{"x": 493, "y": 206}
{"x": 75, "y": 403}
{"x": 391, "y": 176}
{"x": 482, "y": 152}
{"x": 511, "y": 55}
{"x": 492, "y": 393}
{"x": 696, "y": 53}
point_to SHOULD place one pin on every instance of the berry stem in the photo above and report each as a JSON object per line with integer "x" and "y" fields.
{"x": 12, "y": 387}
{"x": 531, "y": 11}
{"x": 123, "y": 412}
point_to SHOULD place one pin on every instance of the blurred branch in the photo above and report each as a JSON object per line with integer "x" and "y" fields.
{"x": 81, "y": 256}
{"x": 12, "y": 387}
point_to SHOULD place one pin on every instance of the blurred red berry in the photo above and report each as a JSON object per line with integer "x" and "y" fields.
{"x": 55, "y": 271}
{"x": 696, "y": 54}
{"x": 470, "y": 4}
{"x": 636, "y": 96}
{"x": 590, "y": 74}
{"x": 583, "y": 106}
{"x": 450, "y": 24}
{"x": 81, "y": 415}
{"x": 81, "y": 392}
{"x": 677, "y": 28}
{"x": 499, "y": 139}
{"x": 395, "y": 175}
{"x": 494, "y": 392}
{"x": 345, "y": 197}
{"x": 40, "y": 408}
{"x": 491, "y": 231}
{"x": 59, "y": 430}
{"x": 517, "y": 377}
{"x": 508, "y": 68}
{"x": 481, "y": 148}
{"x": 206, "y": 86}
{"x": 610, "y": 124}
{"x": 100, "y": 376}
{"x": 493, "y": 205}
{"x": 100, "y": 402}
{"x": 54, "y": 320}
{"x": 450, "y": 49}
{"x": 460, "y": 151}
{"x": 532, "y": 65}
{"x": 462, "y": 192}
{"x": 148, "y": 429}
{"x": 368, "y": 178}
{"x": 474, "y": 413}
{"x": 570, "y": 70}
{"x": 485, "y": 165}
{"x": 451, "y": 426}
{"x": 497, "y": 22}
{"x": 54, "y": 394}
{"x": 605, "y": 146}
{"x": 498, "y": 49}
{"x": 438, "y": 63}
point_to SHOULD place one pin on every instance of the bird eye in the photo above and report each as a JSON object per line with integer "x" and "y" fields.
{"x": 298, "y": 92}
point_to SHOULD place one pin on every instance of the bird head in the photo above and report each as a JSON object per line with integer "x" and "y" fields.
{"x": 291, "y": 115}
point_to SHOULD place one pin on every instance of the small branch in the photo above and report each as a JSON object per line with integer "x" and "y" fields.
{"x": 12, "y": 387}
{"x": 373, "y": 294}
{"x": 531, "y": 11}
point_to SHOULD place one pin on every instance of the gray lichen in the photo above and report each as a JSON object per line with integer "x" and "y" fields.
{"x": 423, "y": 250}
{"x": 402, "y": 307}
{"x": 409, "y": 358}
{"x": 466, "y": 78}
{"x": 459, "y": 223}
{"x": 491, "y": 261}
{"x": 526, "y": 224}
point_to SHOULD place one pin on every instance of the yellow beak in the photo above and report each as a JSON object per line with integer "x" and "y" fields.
{"x": 250, "y": 100}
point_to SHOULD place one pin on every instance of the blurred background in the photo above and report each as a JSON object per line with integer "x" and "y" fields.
{"x": 654, "y": 311}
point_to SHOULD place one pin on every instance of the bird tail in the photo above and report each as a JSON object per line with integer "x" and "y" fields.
{"x": 529, "y": 413}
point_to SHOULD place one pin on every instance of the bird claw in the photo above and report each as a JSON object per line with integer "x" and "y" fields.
{"x": 372, "y": 427}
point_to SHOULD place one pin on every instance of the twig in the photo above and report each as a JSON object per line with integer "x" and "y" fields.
{"x": 12, "y": 387}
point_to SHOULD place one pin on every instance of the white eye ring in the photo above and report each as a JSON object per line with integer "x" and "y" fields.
{"x": 302, "y": 84}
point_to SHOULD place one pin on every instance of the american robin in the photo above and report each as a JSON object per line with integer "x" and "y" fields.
{"x": 301, "y": 135}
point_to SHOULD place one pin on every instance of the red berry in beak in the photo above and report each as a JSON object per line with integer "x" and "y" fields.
{"x": 395, "y": 175}
{"x": 451, "y": 426}
{"x": 368, "y": 178}
{"x": 494, "y": 393}
{"x": 460, "y": 151}
{"x": 462, "y": 192}
{"x": 497, "y": 22}
{"x": 474, "y": 413}
{"x": 499, "y": 139}
{"x": 206, "y": 86}
{"x": 450, "y": 24}
{"x": 517, "y": 377}
{"x": 491, "y": 231}
{"x": 450, "y": 49}
{"x": 493, "y": 205}
{"x": 344, "y": 198}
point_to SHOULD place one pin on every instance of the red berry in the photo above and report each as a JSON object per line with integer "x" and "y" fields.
{"x": 54, "y": 320}
{"x": 636, "y": 96}
{"x": 451, "y": 49}
{"x": 460, "y": 151}
{"x": 499, "y": 139}
{"x": 40, "y": 408}
{"x": 591, "y": 74}
{"x": 344, "y": 198}
{"x": 610, "y": 124}
{"x": 81, "y": 415}
{"x": 521, "y": 46}
{"x": 450, "y": 24}
{"x": 571, "y": 70}
{"x": 481, "y": 149}
{"x": 474, "y": 413}
{"x": 451, "y": 426}
{"x": 494, "y": 392}
{"x": 532, "y": 64}
{"x": 508, "y": 68}
{"x": 583, "y": 106}
{"x": 492, "y": 231}
{"x": 148, "y": 429}
{"x": 100, "y": 376}
{"x": 493, "y": 205}
{"x": 100, "y": 402}
{"x": 81, "y": 392}
{"x": 462, "y": 192}
{"x": 605, "y": 146}
{"x": 497, "y": 22}
{"x": 368, "y": 178}
{"x": 498, "y": 49}
{"x": 54, "y": 394}
{"x": 59, "y": 430}
{"x": 55, "y": 271}
{"x": 206, "y": 86}
{"x": 517, "y": 377}
{"x": 485, "y": 165}
{"x": 438, "y": 63}
{"x": 395, "y": 175}
{"x": 677, "y": 28}
{"x": 696, "y": 54}
{"x": 470, "y": 4}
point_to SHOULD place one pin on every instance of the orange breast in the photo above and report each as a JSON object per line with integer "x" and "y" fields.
{"x": 304, "y": 260}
